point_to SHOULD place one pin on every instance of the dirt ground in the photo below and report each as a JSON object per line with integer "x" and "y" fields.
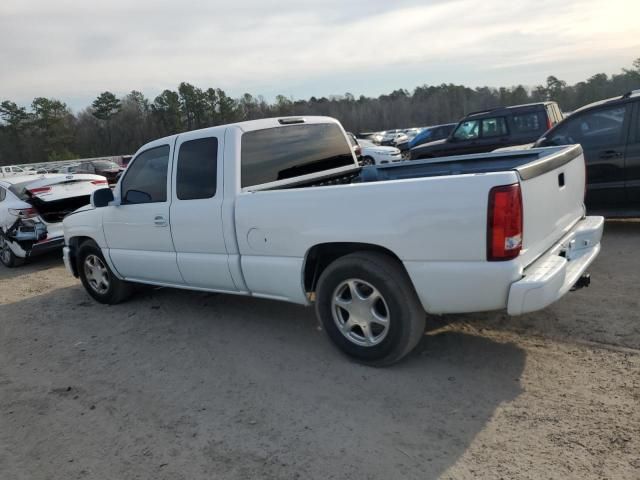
{"x": 184, "y": 385}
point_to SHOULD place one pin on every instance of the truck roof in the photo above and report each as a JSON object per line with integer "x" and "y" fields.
{"x": 250, "y": 125}
{"x": 503, "y": 109}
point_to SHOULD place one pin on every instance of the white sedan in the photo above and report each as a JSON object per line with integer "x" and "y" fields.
{"x": 32, "y": 209}
{"x": 373, "y": 154}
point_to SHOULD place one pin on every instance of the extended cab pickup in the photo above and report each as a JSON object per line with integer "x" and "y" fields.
{"x": 280, "y": 209}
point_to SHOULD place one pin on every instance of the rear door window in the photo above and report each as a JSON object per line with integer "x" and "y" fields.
{"x": 527, "y": 122}
{"x": 494, "y": 127}
{"x": 280, "y": 153}
{"x": 3, "y": 194}
{"x": 197, "y": 174}
{"x": 146, "y": 178}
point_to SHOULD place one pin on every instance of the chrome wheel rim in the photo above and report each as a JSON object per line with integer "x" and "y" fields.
{"x": 5, "y": 251}
{"x": 96, "y": 274}
{"x": 360, "y": 312}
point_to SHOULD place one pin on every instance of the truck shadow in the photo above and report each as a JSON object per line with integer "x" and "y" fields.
{"x": 237, "y": 386}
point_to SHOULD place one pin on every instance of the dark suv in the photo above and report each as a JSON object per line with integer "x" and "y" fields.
{"x": 485, "y": 131}
{"x": 609, "y": 132}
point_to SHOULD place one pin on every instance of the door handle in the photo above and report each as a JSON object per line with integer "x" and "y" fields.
{"x": 160, "y": 221}
{"x": 609, "y": 154}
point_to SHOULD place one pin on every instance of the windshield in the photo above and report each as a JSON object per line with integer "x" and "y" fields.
{"x": 106, "y": 165}
{"x": 467, "y": 130}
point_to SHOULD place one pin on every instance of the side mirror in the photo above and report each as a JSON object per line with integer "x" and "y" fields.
{"x": 136, "y": 196}
{"x": 101, "y": 198}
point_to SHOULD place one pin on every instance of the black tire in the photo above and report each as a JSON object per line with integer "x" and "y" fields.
{"x": 404, "y": 313}
{"x": 117, "y": 290}
{"x": 7, "y": 257}
{"x": 368, "y": 161}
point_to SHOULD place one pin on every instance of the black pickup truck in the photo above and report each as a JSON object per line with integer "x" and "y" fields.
{"x": 487, "y": 130}
{"x": 609, "y": 132}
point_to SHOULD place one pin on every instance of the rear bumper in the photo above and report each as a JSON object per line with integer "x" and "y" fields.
{"x": 46, "y": 246}
{"x": 555, "y": 273}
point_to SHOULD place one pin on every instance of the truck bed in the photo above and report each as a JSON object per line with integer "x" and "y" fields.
{"x": 528, "y": 164}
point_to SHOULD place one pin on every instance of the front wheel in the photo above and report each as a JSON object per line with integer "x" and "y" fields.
{"x": 98, "y": 279}
{"x": 369, "y": 308}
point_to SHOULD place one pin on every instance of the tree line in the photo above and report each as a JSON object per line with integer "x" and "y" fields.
{"x": 48, "y": 130}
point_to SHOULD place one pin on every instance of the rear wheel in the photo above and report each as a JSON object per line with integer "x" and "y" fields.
{"x": 98, "y": 279}
{"x": 369, "y": 308}
{"x": 368, "y": 161}
{"x": 7, "y": 257}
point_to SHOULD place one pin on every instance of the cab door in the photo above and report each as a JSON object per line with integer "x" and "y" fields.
{"x": 196, "y": 211}
{"x": 137, "y": 229}
{"x": 603, "y": 133}
{"x": 632, "y": 160}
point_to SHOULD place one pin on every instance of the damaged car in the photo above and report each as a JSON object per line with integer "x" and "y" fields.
{"x": 32, "y": 209}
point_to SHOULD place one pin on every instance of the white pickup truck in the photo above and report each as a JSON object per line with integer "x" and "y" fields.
{"x": 280, "y": 209}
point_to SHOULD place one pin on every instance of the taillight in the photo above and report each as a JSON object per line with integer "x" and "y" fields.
{"x": 99, "y": 182}
{"x": 358, "y": 151}
{"x": 549, "y": 124}
{"x": 504, "y": 223}
{"x": 24, "y": 212}
{"x": 39, "y": 190}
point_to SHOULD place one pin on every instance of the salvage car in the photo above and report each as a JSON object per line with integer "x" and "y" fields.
{"x": 32, "y": 209}
{"x": 268, "y": 208}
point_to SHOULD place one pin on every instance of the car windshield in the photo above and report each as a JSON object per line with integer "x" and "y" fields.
{"x": 467, "y": 130}
{"x": 106, "y": 165}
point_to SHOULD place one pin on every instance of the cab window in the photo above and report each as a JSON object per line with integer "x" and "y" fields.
{"x": 197, "y": 169}
{"x": 146, "y": 178}
{"x": 597, "y": 128}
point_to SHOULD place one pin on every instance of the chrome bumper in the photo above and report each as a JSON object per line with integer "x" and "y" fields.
{"x": 556, "y": 272}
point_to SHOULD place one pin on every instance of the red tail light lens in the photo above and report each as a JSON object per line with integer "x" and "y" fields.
{"x": 39, "y": 190}
{"x": 99, "y": 182}
{"x": 549, "y": 123}
{"x": 504, "y": 225}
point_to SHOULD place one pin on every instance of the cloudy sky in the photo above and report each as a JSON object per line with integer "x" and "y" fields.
{"x": 75, "y": 49}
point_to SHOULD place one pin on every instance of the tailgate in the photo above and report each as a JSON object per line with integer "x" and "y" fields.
{"x": 552, "y": 198}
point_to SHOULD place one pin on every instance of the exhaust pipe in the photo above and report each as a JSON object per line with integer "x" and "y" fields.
{"x": 583, "y": 281}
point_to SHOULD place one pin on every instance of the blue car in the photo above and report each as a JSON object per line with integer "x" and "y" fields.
{"x": 430, "y": 134}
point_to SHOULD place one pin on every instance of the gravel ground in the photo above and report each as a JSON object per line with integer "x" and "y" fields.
{"x": 185, "y": 385}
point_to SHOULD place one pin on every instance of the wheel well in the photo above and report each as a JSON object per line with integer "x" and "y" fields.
{"x": 74, "y": 245}
{"x": 321, "y": 256}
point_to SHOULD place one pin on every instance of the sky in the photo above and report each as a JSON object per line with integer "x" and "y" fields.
{"x": 74, "y": 49}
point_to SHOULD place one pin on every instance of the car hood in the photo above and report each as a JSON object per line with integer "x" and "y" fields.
{"x": 432, "y": 145}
